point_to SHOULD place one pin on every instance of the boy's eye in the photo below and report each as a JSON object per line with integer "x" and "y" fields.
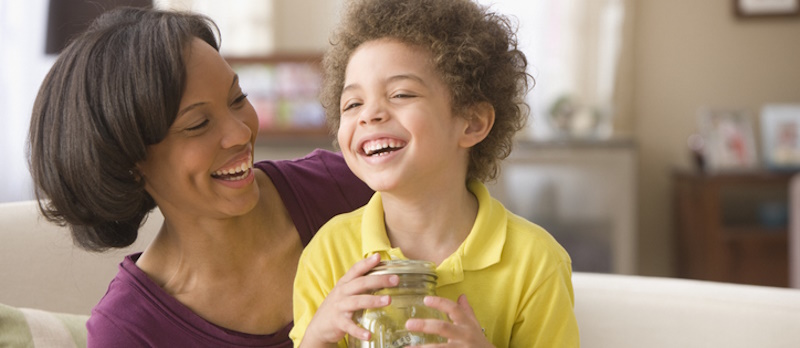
{"x": 350, "y": 106}
{"x": 198, "y": 126}
{"x": 403, "y": 95}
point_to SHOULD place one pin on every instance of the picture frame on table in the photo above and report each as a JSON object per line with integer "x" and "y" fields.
{"x": 780, "y": 136}
{"x": 766, "y": 8}
{"x": 729, "y": 139}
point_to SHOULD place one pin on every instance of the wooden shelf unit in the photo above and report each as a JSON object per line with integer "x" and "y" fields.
{"x": 732, "y": 227}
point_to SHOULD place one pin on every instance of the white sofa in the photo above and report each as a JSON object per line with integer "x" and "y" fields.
{"x": 42, "y": 274}
{"x": 47, "y": 285}
{"x": 635, "y": 311}
{"x": 41, "y": 268}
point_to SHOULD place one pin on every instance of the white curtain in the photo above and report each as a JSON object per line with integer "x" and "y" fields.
{"x": 23, "y": 66}
{"x": 573, "y": 48}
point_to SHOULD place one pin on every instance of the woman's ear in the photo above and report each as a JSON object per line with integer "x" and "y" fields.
{"x": 478, "y": 125}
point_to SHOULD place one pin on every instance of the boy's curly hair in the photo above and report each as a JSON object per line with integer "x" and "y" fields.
{"x": 473, "y": 49}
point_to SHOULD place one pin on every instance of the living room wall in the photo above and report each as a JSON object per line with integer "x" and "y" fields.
{"x": 304, "y": 25}
{"x": 687, "y": 54}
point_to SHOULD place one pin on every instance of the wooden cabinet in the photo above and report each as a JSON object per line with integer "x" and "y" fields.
{"x": 732, "y": 227}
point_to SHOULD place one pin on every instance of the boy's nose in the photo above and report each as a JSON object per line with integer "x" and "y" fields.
{"x": 374, "y": 114}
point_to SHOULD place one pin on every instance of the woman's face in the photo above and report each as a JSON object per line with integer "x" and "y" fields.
{"x": 204, "y": 164}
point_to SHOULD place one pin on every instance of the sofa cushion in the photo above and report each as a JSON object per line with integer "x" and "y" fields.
{"x": 25, "y": 327}
{"x": 41, "y": 268}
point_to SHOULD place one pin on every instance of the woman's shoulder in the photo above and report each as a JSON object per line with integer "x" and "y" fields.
{"x": 319, "y": 169}
{"x": 313, "y": 161}
{"x": 316, "y": 188}
{"x": 136, "y": 312}
{"x": 131, "y": 287}
{"x": 125, "y": 313}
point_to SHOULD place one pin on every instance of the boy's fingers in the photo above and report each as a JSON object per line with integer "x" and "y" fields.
{"x": 464, "y": 305}
{"x": 370, "y": 283}
{"x": 460, "y": 312}
{"x": 357, "y": 331}
{"x": 359, "y": 302}
{"x": 442, "y": 304}
{"x": 431, "y": 326}
{"x": 361, "y": 268}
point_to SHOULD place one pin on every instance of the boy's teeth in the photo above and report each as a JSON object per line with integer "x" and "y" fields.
{"x": 371, "y": 147}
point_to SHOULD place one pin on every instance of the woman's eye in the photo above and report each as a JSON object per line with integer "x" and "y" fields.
{"x": 198, "y": 126}
{"x": 239, "y": 100}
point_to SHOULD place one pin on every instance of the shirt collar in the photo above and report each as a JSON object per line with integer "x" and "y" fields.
{"x": 482, "y": 247}
{"x": 373, "y": 232}
{"x": 484, "y": 244}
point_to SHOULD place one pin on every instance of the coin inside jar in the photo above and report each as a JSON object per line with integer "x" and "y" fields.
{"x": 388, "y": 324}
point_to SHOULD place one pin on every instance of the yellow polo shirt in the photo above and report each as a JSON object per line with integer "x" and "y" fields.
{"x": 517, "y": 278}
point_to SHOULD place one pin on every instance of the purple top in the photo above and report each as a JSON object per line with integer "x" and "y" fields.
{"x": 136, "y": 312}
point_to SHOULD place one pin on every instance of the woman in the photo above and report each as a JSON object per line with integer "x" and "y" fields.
{"x": 142, "y": 111}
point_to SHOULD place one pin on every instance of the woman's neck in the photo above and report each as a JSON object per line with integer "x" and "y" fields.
{"x": 232, "y": 272}
{"x": 210, "y": 247}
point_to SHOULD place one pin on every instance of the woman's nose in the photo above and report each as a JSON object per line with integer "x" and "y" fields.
{"x": 238, "y": 130}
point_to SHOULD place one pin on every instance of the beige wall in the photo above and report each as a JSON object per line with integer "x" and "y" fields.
{"x": 686, "y": 54}
{"x": 304, "y": 25}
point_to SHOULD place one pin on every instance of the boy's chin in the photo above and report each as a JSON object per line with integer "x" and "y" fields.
{"x": 380, "y": 184}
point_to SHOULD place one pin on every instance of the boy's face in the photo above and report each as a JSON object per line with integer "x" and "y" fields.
{"x": 397, "y": 130}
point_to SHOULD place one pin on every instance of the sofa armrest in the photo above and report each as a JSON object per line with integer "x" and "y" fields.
{"x": 636, "y": 311}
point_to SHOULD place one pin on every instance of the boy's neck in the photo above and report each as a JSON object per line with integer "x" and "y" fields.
{"x": 430, "y": 226}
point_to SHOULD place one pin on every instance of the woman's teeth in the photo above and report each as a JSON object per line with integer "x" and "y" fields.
{"x": 236, "y": 173}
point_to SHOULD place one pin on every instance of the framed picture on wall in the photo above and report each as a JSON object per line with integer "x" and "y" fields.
{"x": 780, "y": 136}
{"x": 766, "y": 8}
{"x": 729, "y": 139}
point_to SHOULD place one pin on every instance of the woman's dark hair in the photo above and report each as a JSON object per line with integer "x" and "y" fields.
{"x": 474, "y": 50}
{"x": 114, "y": 90}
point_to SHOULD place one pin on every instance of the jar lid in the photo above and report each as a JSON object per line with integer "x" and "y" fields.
{"x": 405, "y": 267}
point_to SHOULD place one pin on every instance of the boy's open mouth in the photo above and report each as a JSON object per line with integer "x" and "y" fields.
{"x": 381, "y": 147}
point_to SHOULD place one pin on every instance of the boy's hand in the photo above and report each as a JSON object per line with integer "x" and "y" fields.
{"x": 334, "y": 318}
{"x": 464, "y": 331}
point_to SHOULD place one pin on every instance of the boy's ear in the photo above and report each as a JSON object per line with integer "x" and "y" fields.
{"x": 478, "y": 125}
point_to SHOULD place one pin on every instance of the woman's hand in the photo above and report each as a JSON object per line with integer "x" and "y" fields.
{"x": 464, "y": 331}
{"x": 334, "y": 318}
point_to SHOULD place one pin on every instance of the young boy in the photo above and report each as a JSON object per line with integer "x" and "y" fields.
{"x": 426, "y": 96}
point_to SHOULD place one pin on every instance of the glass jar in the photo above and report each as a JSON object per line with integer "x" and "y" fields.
{"x": 388, "y": 324}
